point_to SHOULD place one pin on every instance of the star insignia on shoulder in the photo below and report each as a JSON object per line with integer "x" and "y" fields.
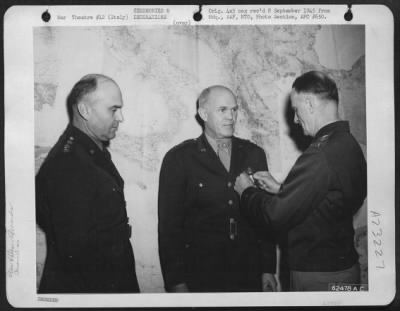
{"x": 68, "y": 144}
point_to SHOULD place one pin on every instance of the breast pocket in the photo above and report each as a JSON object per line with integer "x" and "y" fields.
{"x": 207, "y": 193}
{"x": 196, "y": 193}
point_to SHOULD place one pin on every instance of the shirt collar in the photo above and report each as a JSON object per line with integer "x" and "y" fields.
{"x": 214, "y": 142}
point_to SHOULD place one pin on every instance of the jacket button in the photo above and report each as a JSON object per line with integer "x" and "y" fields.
{"x": 229, "y": 184}
{"x": 230, "y": 202}
{"x": 200, "y": 185}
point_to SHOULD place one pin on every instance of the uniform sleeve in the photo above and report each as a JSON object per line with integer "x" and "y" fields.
{"x": 41, "y": 204}
{"x": 63, "y": 211}
{"x": 266, "y": 238}
{"x": 304, "y": 188}
{"x": 171, "y": 216}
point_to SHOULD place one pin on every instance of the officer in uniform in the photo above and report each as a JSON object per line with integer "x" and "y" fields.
{"x": 204, "y": 243}
{"x": 315, "y": 204}
{"x": 80, "y": 201}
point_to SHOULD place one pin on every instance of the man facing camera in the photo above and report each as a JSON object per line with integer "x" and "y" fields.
{"x": 204, "y": 243}
{"x": 80, "y": 201}
{"x": 316, "y": 203}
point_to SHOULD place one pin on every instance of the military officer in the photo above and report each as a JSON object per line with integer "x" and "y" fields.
{"x": 204, "y": 243}
{"x": 315, "y": 205}
{"x": 80, "y": 201}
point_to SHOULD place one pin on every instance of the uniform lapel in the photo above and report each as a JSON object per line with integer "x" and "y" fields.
{"x": 211, "y": 160}
{"x": 208, "y": 156}
{"x": 110, "y": 167}
{"x": 101, "y": 158}
{"x": 237, "y": 157}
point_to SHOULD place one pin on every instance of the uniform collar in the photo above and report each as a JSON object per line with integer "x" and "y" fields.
{"x": 214, "y": 143}
{"x": 77, "y": 136}
{"x": 337, "y": 126}
{"x": 203, "y": 145}
{"x": 102, "y": 158}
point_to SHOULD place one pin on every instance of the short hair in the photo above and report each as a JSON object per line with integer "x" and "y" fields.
{"x": 317, "y": 83}
{"x": 86, "y": 85}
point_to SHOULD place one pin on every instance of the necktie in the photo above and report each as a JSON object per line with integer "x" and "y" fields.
{"x": 224, "y": 153}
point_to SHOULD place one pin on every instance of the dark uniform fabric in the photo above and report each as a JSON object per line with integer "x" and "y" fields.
{"x": 203, "y": 240}
{"x": 317, "y": 201}
{"x": 80, "y": 206}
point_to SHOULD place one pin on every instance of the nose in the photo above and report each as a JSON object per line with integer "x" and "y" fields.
{"x": 119, "y": 116}
{"x": 231, "y": 114}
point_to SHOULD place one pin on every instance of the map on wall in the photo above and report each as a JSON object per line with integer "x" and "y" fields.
{"x": 161, "y": 70}
{"x": 257, "y": 62}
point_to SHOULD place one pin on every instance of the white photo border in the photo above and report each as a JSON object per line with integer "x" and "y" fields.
{"x": 19, "y": 161}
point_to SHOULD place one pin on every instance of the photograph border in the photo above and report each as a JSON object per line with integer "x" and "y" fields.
{"x": 395, "y": 60}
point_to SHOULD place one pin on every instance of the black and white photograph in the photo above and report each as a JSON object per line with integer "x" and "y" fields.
{"x": 194, "y": 160}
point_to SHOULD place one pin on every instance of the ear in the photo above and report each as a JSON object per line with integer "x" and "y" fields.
{"x": 203, "y": 113}
{"x": 310, "y": 104}
{"x": 83, "y": 110}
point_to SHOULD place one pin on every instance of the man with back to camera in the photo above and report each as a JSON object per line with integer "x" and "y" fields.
{"x": 204, "y": 243}
{"x": 315, "y": 205}
{"x": 80, "y": 201}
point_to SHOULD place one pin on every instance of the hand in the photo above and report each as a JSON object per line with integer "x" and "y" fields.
{"x": 243, "y": 182}
{"x": 267, "y": 182}
{"x": 269, "y": 283}
{"x": 180, "y": 288}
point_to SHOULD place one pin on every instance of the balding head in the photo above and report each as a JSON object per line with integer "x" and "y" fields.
{"x": 86, "y": 85}
{"x": 213, "y": 92}
{"x": 218, "y": 110}
{"x": 94, "y": 106}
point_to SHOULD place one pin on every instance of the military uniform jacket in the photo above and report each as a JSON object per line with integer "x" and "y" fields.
{"x": 203, "y": 240}
{"x": 317, "y": 201}
{"x": 80, "y": 206}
